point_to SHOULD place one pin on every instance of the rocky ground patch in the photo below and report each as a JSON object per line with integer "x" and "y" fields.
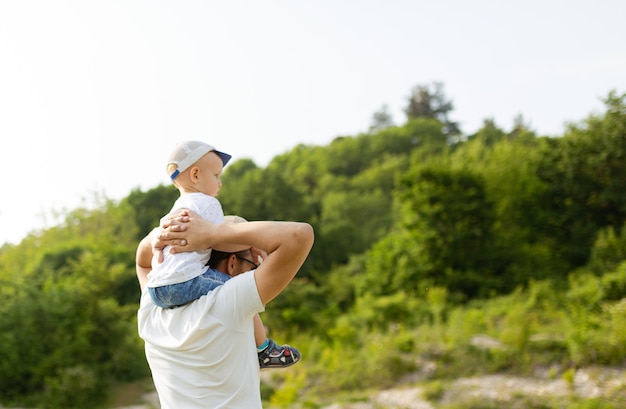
{"x": 597, "y": 382}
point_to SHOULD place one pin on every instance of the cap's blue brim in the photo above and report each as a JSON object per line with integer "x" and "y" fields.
{"x": 225, "y": 157}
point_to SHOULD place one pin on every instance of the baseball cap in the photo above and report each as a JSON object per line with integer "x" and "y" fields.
{"x": 187, "y": 153}
{"x": 232, "y": 248}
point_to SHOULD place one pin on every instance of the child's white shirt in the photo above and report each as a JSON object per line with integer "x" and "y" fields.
{"x": 180, "y": 267}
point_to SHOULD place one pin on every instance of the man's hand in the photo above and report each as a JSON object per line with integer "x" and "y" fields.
{"x": 185, "y": 231}
{"x": 258, "y": 255}
{"x": 161, "y": 237}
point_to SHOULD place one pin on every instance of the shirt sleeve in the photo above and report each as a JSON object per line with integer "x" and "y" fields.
{"x": 211, "y": 209}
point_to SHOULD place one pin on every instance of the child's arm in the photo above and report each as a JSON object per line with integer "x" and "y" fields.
{"x": 143, "y": 258}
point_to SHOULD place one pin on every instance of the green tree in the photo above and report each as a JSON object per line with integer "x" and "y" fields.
{"x": 452, "y": 219}
{"x": 586, "y": 188}
{"x": 62, "y": 321}
{"x": 429, "y": 101}
{"x": 489, "y": 134}
{"x": 508, "y": 166}
{"x": 381, "y": 119}
{"x": 261, "y": 194}
{"x": 68, "y": 314}
{"x": 150, "y": 206}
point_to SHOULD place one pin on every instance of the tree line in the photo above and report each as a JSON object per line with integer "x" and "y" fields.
{"x": 402, "y": 213}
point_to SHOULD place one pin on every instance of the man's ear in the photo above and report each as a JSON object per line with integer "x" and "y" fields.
{"x": 230, "y": 267}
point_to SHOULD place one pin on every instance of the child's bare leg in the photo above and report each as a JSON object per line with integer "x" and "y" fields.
{"x": 270, "y": 354}
{"x": 259, "y": 331}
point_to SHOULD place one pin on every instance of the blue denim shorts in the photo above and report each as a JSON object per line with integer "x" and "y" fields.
{"x": 175, "y": 295}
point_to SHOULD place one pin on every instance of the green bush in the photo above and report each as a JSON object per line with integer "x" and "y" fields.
{"x": 73, "y": 387}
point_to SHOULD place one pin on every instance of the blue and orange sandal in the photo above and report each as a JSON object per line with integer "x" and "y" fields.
{"x": 278, "y": 356}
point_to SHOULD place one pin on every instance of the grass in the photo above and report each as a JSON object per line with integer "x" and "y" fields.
{"x": 130, "y": 393}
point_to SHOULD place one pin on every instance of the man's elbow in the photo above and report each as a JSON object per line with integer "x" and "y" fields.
{"x": 304, "y": 236}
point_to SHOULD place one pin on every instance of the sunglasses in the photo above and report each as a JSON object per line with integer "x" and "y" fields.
{"x": 255, "y": 265}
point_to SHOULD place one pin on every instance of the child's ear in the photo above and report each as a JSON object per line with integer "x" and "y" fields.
{"x": 193, "y": 173}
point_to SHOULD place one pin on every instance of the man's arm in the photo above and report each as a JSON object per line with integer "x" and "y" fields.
{"x": 288, "y": 245}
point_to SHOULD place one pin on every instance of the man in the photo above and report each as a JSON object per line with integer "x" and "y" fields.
{"x": 202, "y": 355}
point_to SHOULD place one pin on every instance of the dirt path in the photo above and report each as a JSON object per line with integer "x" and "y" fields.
{"x": 597, "y": 382}
{"x": 585, "y": 383}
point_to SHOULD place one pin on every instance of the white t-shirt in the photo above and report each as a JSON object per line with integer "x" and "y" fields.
{"x": 180, "y": 267}
{"x": 202, "y": 355}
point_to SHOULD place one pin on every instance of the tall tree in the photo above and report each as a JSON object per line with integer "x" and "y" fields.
{"x": 586, "y": 188}
{"x": 429, "y": 101}
{"x": 444, "y": 237}
{"x": 381, "y": 119}
{"x": 452, "y": 218}
{"x": 489, "y": 134}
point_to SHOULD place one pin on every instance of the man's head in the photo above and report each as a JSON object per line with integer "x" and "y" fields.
{"x": 232, "y": 264}
{"x": 232, "y": 259}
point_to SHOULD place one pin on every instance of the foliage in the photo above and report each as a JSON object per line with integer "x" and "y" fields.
{"x": 449, "y": 222}
{"x": 596, "y": 308}
{"x": 150, "y": 206}
{"x": 381, "y": 119}
{"x": 586, "y": 190}
{"x": 608, "y": 251}
{"x": 429, "y": 101}
{"x": 498, "y": 251}
{"x": 67, "y": 325}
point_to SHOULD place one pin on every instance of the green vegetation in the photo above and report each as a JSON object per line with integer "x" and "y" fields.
{"x": 426, "y": 242}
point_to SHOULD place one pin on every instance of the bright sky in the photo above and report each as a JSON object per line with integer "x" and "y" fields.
{"x": 93, "y": 94}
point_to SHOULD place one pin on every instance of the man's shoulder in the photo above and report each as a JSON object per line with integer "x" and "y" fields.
{"x": 242, "y": 280}
{"x": 239, "y": 293}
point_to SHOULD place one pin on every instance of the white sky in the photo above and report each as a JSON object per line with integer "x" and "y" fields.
{"x": 93, "y": 94}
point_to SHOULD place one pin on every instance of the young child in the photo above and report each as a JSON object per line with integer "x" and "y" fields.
{"x": 195, "y": 168}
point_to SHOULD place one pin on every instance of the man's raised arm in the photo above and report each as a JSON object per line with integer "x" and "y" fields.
{"x": 288, "y": 245}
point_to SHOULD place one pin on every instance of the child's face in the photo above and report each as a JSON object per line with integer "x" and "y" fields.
{"x": 210, "y": 174}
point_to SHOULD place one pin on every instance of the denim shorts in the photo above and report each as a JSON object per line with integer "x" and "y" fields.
{"x": 175, "y": 295}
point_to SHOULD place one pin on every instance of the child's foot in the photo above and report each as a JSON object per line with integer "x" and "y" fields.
{"x": 278, "y": 356}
